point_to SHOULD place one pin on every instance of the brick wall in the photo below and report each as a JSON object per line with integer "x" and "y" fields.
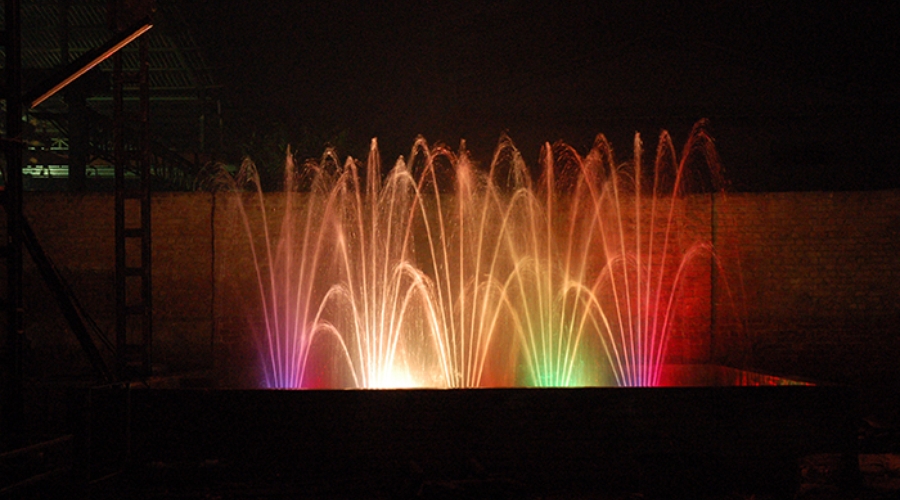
{"x": 77, "y": 233}
{"x": 809, "y": 283}
{"x": 821, "y": 280}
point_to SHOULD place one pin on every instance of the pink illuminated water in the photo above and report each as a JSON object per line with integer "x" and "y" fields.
{"x": 442, "y": 274}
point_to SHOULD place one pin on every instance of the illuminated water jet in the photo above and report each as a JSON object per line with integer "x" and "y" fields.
{"x": 440, "y": 274}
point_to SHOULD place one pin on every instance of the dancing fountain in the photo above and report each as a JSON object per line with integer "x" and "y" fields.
{"x": 442, "y": 275}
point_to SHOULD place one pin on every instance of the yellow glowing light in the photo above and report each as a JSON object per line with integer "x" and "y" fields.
{"x": 396, "y": 379}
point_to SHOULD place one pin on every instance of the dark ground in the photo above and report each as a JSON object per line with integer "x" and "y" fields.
{"x": 670, "y": 474}
{"x": 814, "y": 477}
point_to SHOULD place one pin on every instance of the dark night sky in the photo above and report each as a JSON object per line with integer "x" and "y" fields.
{"x": 801, "y": 95}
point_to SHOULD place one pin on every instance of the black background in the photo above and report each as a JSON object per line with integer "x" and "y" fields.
{"x": 800, "y": 95}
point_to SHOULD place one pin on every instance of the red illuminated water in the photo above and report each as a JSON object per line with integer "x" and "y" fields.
{"x": 442, "y": 274}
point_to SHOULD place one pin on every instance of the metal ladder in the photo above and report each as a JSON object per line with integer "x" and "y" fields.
{"x": 134, "y": 309}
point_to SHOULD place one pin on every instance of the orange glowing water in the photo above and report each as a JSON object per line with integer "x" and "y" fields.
{"x": 445, "y": 275}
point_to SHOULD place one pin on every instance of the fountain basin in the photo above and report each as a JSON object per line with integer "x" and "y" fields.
{"x": 692, "y": 435}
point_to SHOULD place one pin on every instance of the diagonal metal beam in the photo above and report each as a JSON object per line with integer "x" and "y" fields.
{"x": 84, "y": 63}
{"x": 71, "y": 309}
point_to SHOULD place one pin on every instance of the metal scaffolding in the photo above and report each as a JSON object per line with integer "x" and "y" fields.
{"x": 132, "y": 356}
{"x": 13, "y": 398}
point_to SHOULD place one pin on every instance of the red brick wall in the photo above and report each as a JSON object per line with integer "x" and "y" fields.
{"x": 822, "y": 281}
{"x": 809, "y": 283}
{"x": 77, "y": 232}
